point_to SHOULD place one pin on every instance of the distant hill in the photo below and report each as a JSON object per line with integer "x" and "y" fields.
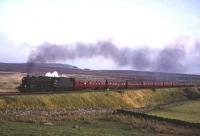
{"x": 37, "y": 67}
{"x": 41, "y": 68}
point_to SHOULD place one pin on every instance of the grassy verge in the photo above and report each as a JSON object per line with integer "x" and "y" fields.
{"x": 188, "y": 112}
{"x": 113, "y": 100}
{"x": 87, "y": 128}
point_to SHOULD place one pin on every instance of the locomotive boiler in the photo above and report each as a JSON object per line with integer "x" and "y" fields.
{"x": 44, "y": 83}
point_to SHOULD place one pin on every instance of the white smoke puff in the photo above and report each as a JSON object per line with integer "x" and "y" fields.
{"x": 55, "y": 74}
{"x": 63, "y": 75}
{"x": 48, "y": 74}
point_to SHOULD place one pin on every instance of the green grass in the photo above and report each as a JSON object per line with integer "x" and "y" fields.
{"x": 114, "y": 100}
{"x": 95, "y": 128}
{"x": 187, "y": 112}
{"x": 107, "y": 123}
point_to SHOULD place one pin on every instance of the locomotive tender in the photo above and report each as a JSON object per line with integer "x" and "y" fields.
{"x": 43, "y": 83}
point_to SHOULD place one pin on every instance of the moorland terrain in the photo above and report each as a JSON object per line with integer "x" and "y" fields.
{"x": 94, "y": 113}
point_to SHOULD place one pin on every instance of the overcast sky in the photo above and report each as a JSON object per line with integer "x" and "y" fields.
{"x": 25, "y": 24}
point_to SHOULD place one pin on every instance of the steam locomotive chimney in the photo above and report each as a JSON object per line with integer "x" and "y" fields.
{"x": 29, "y": 68}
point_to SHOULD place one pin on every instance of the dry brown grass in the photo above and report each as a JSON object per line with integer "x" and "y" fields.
{"x": 13, "y": 77}
{"x": 9, "y": 81}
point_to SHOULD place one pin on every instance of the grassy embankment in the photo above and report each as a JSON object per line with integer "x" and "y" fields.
{"x": 113, "y": 100}
{"x": 188, "y": 112}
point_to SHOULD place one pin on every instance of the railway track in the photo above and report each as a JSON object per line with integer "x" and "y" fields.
{"x": 41, "y": 93}
{"x": 76, "y": 91}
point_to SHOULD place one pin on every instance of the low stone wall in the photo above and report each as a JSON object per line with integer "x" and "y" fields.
{"x": 161, "y": 119}
{"x": 52, "y": 112}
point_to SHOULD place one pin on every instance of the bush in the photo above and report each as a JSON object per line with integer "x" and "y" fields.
{"x": 191, "y": 94}
{"x": 153, "y": 89}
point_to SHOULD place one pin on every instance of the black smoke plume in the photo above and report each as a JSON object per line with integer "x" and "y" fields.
{"x": 121, "y": 56}
{"x": 169, "y": 59}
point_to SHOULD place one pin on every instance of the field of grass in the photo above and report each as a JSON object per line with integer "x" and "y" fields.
{"x": 10, "y": 80}
{"x": 94, "y": 125}
{"x": 87, "y": 128}
{"x": 98, "y": 121}
{"x": 133, "y": 122}
{"x": 113, "y": 100}
{"x": 188, "y": 112}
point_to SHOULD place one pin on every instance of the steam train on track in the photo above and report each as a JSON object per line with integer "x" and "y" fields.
{"x": 43, "y": 83}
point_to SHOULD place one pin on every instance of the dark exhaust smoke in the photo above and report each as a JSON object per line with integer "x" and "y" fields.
{"x": 169, "y": 59}
{"x": 30, "y": 65}
{"x": 121, "y": 56}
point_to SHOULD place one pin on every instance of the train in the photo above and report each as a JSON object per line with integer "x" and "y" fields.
{"x": 43, "y": 83}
